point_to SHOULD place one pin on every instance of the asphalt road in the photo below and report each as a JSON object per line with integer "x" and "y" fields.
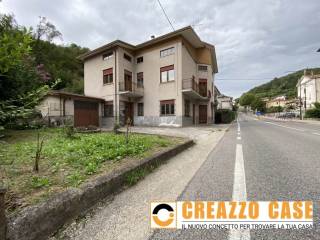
{"x": 281, "y": 162}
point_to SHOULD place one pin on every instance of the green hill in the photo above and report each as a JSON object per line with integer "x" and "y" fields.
{"x": 285, "y": 85}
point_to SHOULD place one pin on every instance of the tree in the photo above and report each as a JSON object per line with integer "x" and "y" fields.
{"x": 14, "y": 44}
{"x": 46, "y": 30}
{"x": 258, "y": 105}
{"x": 246, "y": 99}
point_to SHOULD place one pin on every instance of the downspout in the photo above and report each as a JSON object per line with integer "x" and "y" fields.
{"x": 115, "y": 89}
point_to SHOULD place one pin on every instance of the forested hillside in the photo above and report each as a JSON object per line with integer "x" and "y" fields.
{"x": 30, "y": 59}
{"x": 285, "y": 85}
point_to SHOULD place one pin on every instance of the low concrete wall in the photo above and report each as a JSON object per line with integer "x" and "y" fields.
{"x": 156, "y": 121}
{"x": 42, "y": 220}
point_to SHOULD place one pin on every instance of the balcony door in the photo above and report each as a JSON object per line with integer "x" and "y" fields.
{"x": 203, "y": 87}
{"x": 127, "y": 81}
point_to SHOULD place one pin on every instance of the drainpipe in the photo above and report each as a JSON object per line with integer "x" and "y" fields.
{"x": 115, "y": 88}
{"x": 3, "y": 220}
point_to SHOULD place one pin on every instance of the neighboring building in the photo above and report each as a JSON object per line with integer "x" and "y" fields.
{"x": 276, "y": 102}
{"x": 308, "y": 89}
{"x": 224, "y": 102}
{"x": 166, "y": 81}
{"x": 60, "y": 107}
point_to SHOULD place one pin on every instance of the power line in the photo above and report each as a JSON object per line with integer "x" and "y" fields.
{"x": 164, "y": 12}
{"x": 243, "y": 79}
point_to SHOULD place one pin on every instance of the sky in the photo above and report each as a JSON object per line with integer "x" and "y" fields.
{"x": 255, "y": 40}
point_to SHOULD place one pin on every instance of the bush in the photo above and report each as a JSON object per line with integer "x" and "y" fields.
{"x": 224, "y": 116}
{"x": 314, "y": 112}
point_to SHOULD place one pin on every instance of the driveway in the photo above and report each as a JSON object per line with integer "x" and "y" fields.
{"x": 194, "y": 133}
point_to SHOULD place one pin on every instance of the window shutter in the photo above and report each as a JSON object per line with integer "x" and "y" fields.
{"x": 167, "y": 68}
{"x": 107, "y": 71}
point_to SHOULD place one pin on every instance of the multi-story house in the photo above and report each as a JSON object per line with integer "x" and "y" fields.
{"x": 308, "y": 89}
{"x": 166, "y": 81}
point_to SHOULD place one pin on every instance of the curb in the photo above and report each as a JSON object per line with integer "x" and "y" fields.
{"x": 43, "y": 220}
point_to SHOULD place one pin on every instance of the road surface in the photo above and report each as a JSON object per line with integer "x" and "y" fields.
{"x": 281, "y": 162}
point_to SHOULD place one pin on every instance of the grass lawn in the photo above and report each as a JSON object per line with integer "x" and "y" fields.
{"x": 66, "y": 162}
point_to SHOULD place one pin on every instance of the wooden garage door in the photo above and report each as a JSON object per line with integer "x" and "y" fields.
{"x": 202, "y": 113}
{"x": 86, "y": 113}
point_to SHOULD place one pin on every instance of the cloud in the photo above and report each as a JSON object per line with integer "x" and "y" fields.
{"x": 253, "y": 39}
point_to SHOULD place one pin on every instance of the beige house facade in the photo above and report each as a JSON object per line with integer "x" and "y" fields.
{"x": 166, "y": 81}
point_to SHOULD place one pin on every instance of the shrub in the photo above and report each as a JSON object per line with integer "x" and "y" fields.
{"x": 224, "y": 116}
{"x": 314, "y": 112}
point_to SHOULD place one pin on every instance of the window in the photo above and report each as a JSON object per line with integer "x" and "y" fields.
{"x": 107, "y": 76}
{"x": 107, "y": 55}
{"x": 167, "y": 52}
{"x": 167, "y": 74}
{"x": 140, "y": 79}
{"x": 140, "y": 109}
{"x": 139, "y": 59}
{"x": 127, "y": 57}
{"x": 203, "y": 68}
{"x": 108, "y": 109}
{"x": 166, "y": 107}
{"x": 186, "y": 108}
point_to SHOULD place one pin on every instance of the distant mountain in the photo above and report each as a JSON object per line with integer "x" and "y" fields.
{"x": 285, "y": 85}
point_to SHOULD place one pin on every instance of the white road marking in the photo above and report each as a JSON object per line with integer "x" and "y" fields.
{"x": 315, "y": 133}
{"x": 297, "y": 129}
{"x": 239, "y": 138}
{"x": 238, "y": 133}
{"x": 239, "y": 192}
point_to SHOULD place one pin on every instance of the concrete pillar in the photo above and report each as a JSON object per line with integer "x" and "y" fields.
{"x": 3, "y": 220}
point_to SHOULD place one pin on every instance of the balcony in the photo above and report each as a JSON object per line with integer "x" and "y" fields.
{"x": 193, "y": 90}
{"x": 130, "y": 89}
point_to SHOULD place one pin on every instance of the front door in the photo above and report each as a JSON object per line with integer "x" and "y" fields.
{"x": 202, "y": 113}
{"x": 193, "y": 113}
{"x": 128, "y": 111}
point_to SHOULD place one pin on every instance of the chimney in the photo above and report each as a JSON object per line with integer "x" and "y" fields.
{"x": 152, "y": 37}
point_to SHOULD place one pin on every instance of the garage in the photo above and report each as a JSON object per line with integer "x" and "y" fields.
{"x": 86, "y": 113}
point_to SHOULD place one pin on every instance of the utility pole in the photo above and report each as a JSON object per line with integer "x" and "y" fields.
{"x": 300, "y": 102}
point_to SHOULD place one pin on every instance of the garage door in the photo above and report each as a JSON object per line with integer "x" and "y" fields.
{"x": 86, "y": 113}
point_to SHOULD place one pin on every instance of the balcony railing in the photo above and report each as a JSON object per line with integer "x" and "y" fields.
{"x": 193, "y": 89}
{"x": 131, "y": 89}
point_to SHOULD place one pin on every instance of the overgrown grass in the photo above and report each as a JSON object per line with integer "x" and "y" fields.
{"x": 67, "y": 162}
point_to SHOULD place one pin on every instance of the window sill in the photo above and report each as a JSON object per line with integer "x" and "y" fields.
{"x": 106, "y": 84}
{"x": 167, "y": 82}
{"x": 168, "y": 115}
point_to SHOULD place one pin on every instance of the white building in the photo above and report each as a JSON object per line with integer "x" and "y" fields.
{"x": 224, "y": 102}
{"x": 308, "y": 88}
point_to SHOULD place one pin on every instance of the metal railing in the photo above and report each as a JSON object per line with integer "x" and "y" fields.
{"x": 131, "y": 87}
{"x": 191, "y": 83}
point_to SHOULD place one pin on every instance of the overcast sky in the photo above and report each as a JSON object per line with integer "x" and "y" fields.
{"x": 254, "y": 39}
